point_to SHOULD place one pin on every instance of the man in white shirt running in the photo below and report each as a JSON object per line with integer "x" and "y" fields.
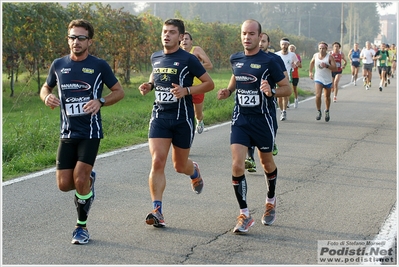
{"x": 290, "y": 61}
{"x": 367, "y": 56}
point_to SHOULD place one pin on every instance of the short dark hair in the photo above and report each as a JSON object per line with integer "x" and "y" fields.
{"x": 189, "y": 34}
{"x": 337, "y": 44}
{"x": 176, "y": 22}
{"x": 268, "y": 37}
{"x": 285, "y": 39}
{"x": 84, "y": 24}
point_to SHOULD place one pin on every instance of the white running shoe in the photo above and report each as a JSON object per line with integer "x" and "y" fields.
{"x": 283, "y": 116}
{"x": 200, "y": 127}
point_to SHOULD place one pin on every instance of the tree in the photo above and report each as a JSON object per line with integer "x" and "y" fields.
{"x": 29, "y": 31}
{"x": 11, "y": 42}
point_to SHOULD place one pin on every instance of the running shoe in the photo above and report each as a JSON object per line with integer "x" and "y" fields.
{"x": 296, "y": 103}
{"x": 380, "y": 89}
{"x": 269, "y": 216}
{"x": 327, "y": 116}
{"x": 250, "y": 165}
{"x": 155, "y": 218}
{"x": 80, "y": 235}
{"x": 354, "y": 83}
{"x": 197, "y": 183}
{"x": 93, "y": 179}
{"x": 335, "y": 99}
{"x": 200, "y": 127}
{"x": 318, "y": 117}
{"x": 385, "y": 84}
{"x": 367, "y": 87}
{"x": 243, "y": 224}
{"x": 283, "y": 116}
{"x": 389, "y": 82}
{"x": 275, "y": 149}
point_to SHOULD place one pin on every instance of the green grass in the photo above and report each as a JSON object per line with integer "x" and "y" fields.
{"x": 31, "y": 130}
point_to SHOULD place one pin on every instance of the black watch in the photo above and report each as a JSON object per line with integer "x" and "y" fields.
{"x": 102, "y": 101}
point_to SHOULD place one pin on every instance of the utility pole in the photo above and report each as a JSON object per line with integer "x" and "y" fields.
{"x": 299, "y": 27}
{"x": 350, "y": 24}
{"x": 342, "y": 24}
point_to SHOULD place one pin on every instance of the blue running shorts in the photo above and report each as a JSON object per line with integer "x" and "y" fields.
{"x": 180, "y": 131}
{"x": 253, "y": 130}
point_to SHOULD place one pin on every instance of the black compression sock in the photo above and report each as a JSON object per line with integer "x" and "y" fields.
{"x": 271, "y": 179}
{"x": 240, "y": 188}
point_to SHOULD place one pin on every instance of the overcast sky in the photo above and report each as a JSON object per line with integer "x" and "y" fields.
{"x": 392, "y": 9}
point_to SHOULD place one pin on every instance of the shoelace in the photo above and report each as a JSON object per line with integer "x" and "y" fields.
{"x": 196, "y": 181}
{"x": 156, "y": 210}
{"x": 241, "y": 218}
{"x": 269, "y": 208}
{"x": 81, "y": 231}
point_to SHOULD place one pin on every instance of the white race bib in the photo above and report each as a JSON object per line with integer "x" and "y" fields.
{"x": 75, "y": 109}
{"x": 247, "y": 100}
{"x": 165, "y": 97}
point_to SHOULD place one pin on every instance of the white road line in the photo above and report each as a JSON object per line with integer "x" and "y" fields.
{"x": 105, "y": 155}
{"x": 387, "y": 233}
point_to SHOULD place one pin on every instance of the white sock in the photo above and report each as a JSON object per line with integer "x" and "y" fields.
{"x": 270, "y": 200}
{"x": 245, "y": 212}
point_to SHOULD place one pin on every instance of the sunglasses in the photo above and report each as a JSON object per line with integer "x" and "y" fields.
{"x": 81, "y": 38}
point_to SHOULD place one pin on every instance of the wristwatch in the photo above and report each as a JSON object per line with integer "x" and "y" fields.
{"x": 102, "y": 101}
{"x": 273, "y": 91}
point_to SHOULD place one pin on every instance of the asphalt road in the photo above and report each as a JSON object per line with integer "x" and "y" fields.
{"x": 336, "y": 181}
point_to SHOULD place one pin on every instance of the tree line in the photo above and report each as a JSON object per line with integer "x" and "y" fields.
{"x": 317, "y": 20}
{"x": 34, "y": 34}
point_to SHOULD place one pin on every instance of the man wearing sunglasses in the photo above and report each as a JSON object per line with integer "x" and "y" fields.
{"x": 80, "y": 78}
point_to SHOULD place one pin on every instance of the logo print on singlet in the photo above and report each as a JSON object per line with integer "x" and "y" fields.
{"x": 65, "y": 70}
{"x": 88, "y": 71}
{"x": 76, "y": 85}
{"x": 246, "y": 78}
{"x": 165, "y": 77}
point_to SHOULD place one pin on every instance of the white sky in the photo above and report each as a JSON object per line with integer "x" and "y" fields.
{"x": 392, "y": 9}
